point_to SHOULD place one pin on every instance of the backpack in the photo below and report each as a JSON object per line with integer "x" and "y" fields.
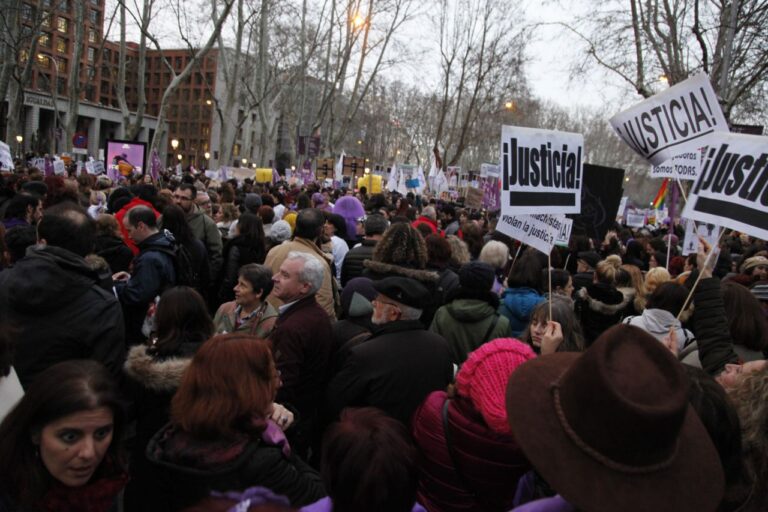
{"x": 184, "y": 267}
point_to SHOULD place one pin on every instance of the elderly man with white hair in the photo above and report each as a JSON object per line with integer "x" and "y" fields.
{"x": 301, "y": 341}
{"x": 428, "y": 217}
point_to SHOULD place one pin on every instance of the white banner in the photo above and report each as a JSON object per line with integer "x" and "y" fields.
{"x": 490, "y": 171}
{"x": 684, "y": 167}
{"x": 538, "y": 231}
{"x": 564, "y": 233}
{"x": 693, "y": 230}
{"x": 635, "y": 219}
{"x": 59, "y": 167}
{"x": 622, "y": 208}
{"x": 732, "y": 189}
{"x": 6, "y": 160}
{"x": 541, "y": 171}
{"x": 672, "y": 122}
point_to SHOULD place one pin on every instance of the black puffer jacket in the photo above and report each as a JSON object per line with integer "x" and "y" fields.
{"x": 353, "y": 261}
{"x": 599, "y": 306}
{"x": 115, "y": 252}
{"x": 54, "y": 299}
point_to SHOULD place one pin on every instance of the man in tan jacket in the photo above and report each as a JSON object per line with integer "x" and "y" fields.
{"x": 309, "y": 226}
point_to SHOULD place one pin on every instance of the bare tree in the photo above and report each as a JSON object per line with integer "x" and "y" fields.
{"x": 73, "y": 82}
{"x": 143, "y": 19}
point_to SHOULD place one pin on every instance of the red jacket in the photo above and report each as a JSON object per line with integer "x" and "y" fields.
{"x": 429, "y": 222}
{"x": 491, "y": 462}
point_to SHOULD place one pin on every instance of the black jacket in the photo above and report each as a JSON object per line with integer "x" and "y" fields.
{"x": 353, "y": 261}
{"x": 114, "y": 250}
{"x": 713, "y": 335}
{"x": 394, "y": 370}
{"x": 599, "y": 306}
{"x": 54, "y": 300}
{"x": 237, "y": 252}
{"x": 183, "y": 470}
{"x": 153, "y": 273}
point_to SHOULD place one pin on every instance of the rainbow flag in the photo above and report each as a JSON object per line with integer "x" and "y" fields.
{"x": 661, "y": 195}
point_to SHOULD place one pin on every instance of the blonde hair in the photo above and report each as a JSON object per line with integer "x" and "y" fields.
{"x": 98, "y": 197}
{"x": 749, "y": 398}
{"x": 653, "y": 278}
{"x": 607, "y": 269}
{"x": 495, "y": 254}
{"x": 459, "y": 250}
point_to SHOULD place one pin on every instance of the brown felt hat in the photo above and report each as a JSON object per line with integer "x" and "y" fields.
{"x": 611, "y": 429}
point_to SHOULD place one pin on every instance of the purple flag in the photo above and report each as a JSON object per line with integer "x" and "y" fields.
{"x": 491, "y": 194}
{"x": 155, "y": 166}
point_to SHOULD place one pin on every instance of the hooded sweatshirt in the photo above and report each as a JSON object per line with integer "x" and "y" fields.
{"x": 465, "y": 323}
{"x": 657, "y": 323}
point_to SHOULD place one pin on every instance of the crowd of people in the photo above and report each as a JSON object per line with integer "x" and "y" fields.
{"x": 196, "y": 345}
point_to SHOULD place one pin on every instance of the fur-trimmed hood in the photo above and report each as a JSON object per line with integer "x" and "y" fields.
{"x": 153, "y": 373}
{"x": 389, "y": 269}
{"x": 603, "y": 299}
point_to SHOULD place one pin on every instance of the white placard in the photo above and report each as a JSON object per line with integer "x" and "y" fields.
{"x": 97, "y": 167}
{"x": 635, "y": 219}
{"x": 693, "y": 230}
{"x": 564, "y": 233}
{"x": 684, "y": 167}
{"x": 538, "y": 231}
{"x": 490, "y": 171}
{"x": 732, "y": 189}
{"x": 622, "y": 207}
{"x": 541, "y": 171}
{"x": 672, "y": 122}
{"x": 59, "y": 167}
{"x": 6, "y": 160}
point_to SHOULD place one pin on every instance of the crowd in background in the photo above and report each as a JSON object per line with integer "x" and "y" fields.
{"x": 189, "y": 344}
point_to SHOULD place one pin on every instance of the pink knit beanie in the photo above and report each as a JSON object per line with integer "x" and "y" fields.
{"x": 483, "y": 378}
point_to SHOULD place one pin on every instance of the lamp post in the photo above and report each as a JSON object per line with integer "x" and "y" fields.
{"x": 19, "y": 140}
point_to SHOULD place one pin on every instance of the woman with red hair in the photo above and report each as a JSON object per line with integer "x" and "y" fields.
{"x": 226, "y": 432}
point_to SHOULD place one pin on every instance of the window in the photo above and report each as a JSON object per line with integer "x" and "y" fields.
{"x": 91, "y": 36}
{"x": 236, "y": 150}
{"x": 90, "y": 92}
{"x": 107, "y": 54}
{"x": 45, "y": 4}
{"x": 61, "y": 85}
{"x": 94, "y": 17}
{"x": 62, "y": 25}
{"x": 61, "y": 65}
{"x": 91, "y": 54}
{"x": 61, "y": 45}
{"x": 44, "y": 41}
{"x": 27, "y": 13}
{"x": 23, "y": 56}
{"x": 63, "y": 5}
{"x": 43, "y": 60}
{"x": 95, "y": 2}
{"x": 46, "y": 21}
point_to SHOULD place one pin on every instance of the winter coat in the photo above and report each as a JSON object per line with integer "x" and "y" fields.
{"x": 465, "y": 323}
{"x": 376, "y": 270}
{"x": 225, "y": 321}
{"x": 447, "y": 283}
{"x": 658, "y": 322}
{"x": 204, "y": 228}
{"x": 153, "y": 273}
{"x": 184, "y": 469}
{"x": 353, "y": 261}
{"x": 327, "y": 292}
{"x": 599, "y": 306}
{"x": 491, "y": 463}
{"x": 394, "y": 370}
{"x": 517, "y": 304}
{"x": 631, "y": 295}
{"x": 429, "y": 222}
{"x": 237, "y": 252}
{"x": 118, "y": 255}
{"x": 301, "y": 342}
{"x": 714, "y": 345}
{"x": 152, "y": 382}
{"x": 54, "y": 300}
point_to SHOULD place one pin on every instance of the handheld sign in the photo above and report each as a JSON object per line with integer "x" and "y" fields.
{"x": 6, "y": 161}
{"x": 538, "y": 231}
{"x": 693, "y": 230}
{"x": 684, "y": 166}
{"x": 541, "y": 171}
{"x": 732, "y": 189}
{"x": 672, "y": 122}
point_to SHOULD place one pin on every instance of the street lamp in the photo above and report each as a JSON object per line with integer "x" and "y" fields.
{"x": 179, "y": 157}
{"x": 175, "y": 144}
{"x": 510, "y": 105}
{"x": 244, "y": 161}
{"x": 207, "y": 155}
{"x": 19, "y": 140}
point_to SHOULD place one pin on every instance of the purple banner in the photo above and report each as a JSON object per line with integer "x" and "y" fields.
{"x": 155, "y": 166}
{"x": 491, "y": 194}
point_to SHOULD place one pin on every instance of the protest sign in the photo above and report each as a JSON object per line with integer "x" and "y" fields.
{"x": 564, "y": 233}
{"x": 684, "y": 166}
{"x": 98, "y": 167}
{"x": 600, "y": 196}
{"x": 672, "y": 122}
{"x": 240, "y": 173}
{"x": 732, "y": 189}
{"x": 622, "y": 208}
{"x": 541, "y": 171}
{"x": 490, "y": 171}
{"x": 474, "y": 198}
{"x": 693, "y": 230}
{"x": 6, "y": 160}
{"x": 491, "y": 194}
{"x": 214, "y": 175}
{"x": 635, "y": 219}
{"x": 538, "y": 231}
{"x": 38, "y": 163}
{"x": 59, "y": 167}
